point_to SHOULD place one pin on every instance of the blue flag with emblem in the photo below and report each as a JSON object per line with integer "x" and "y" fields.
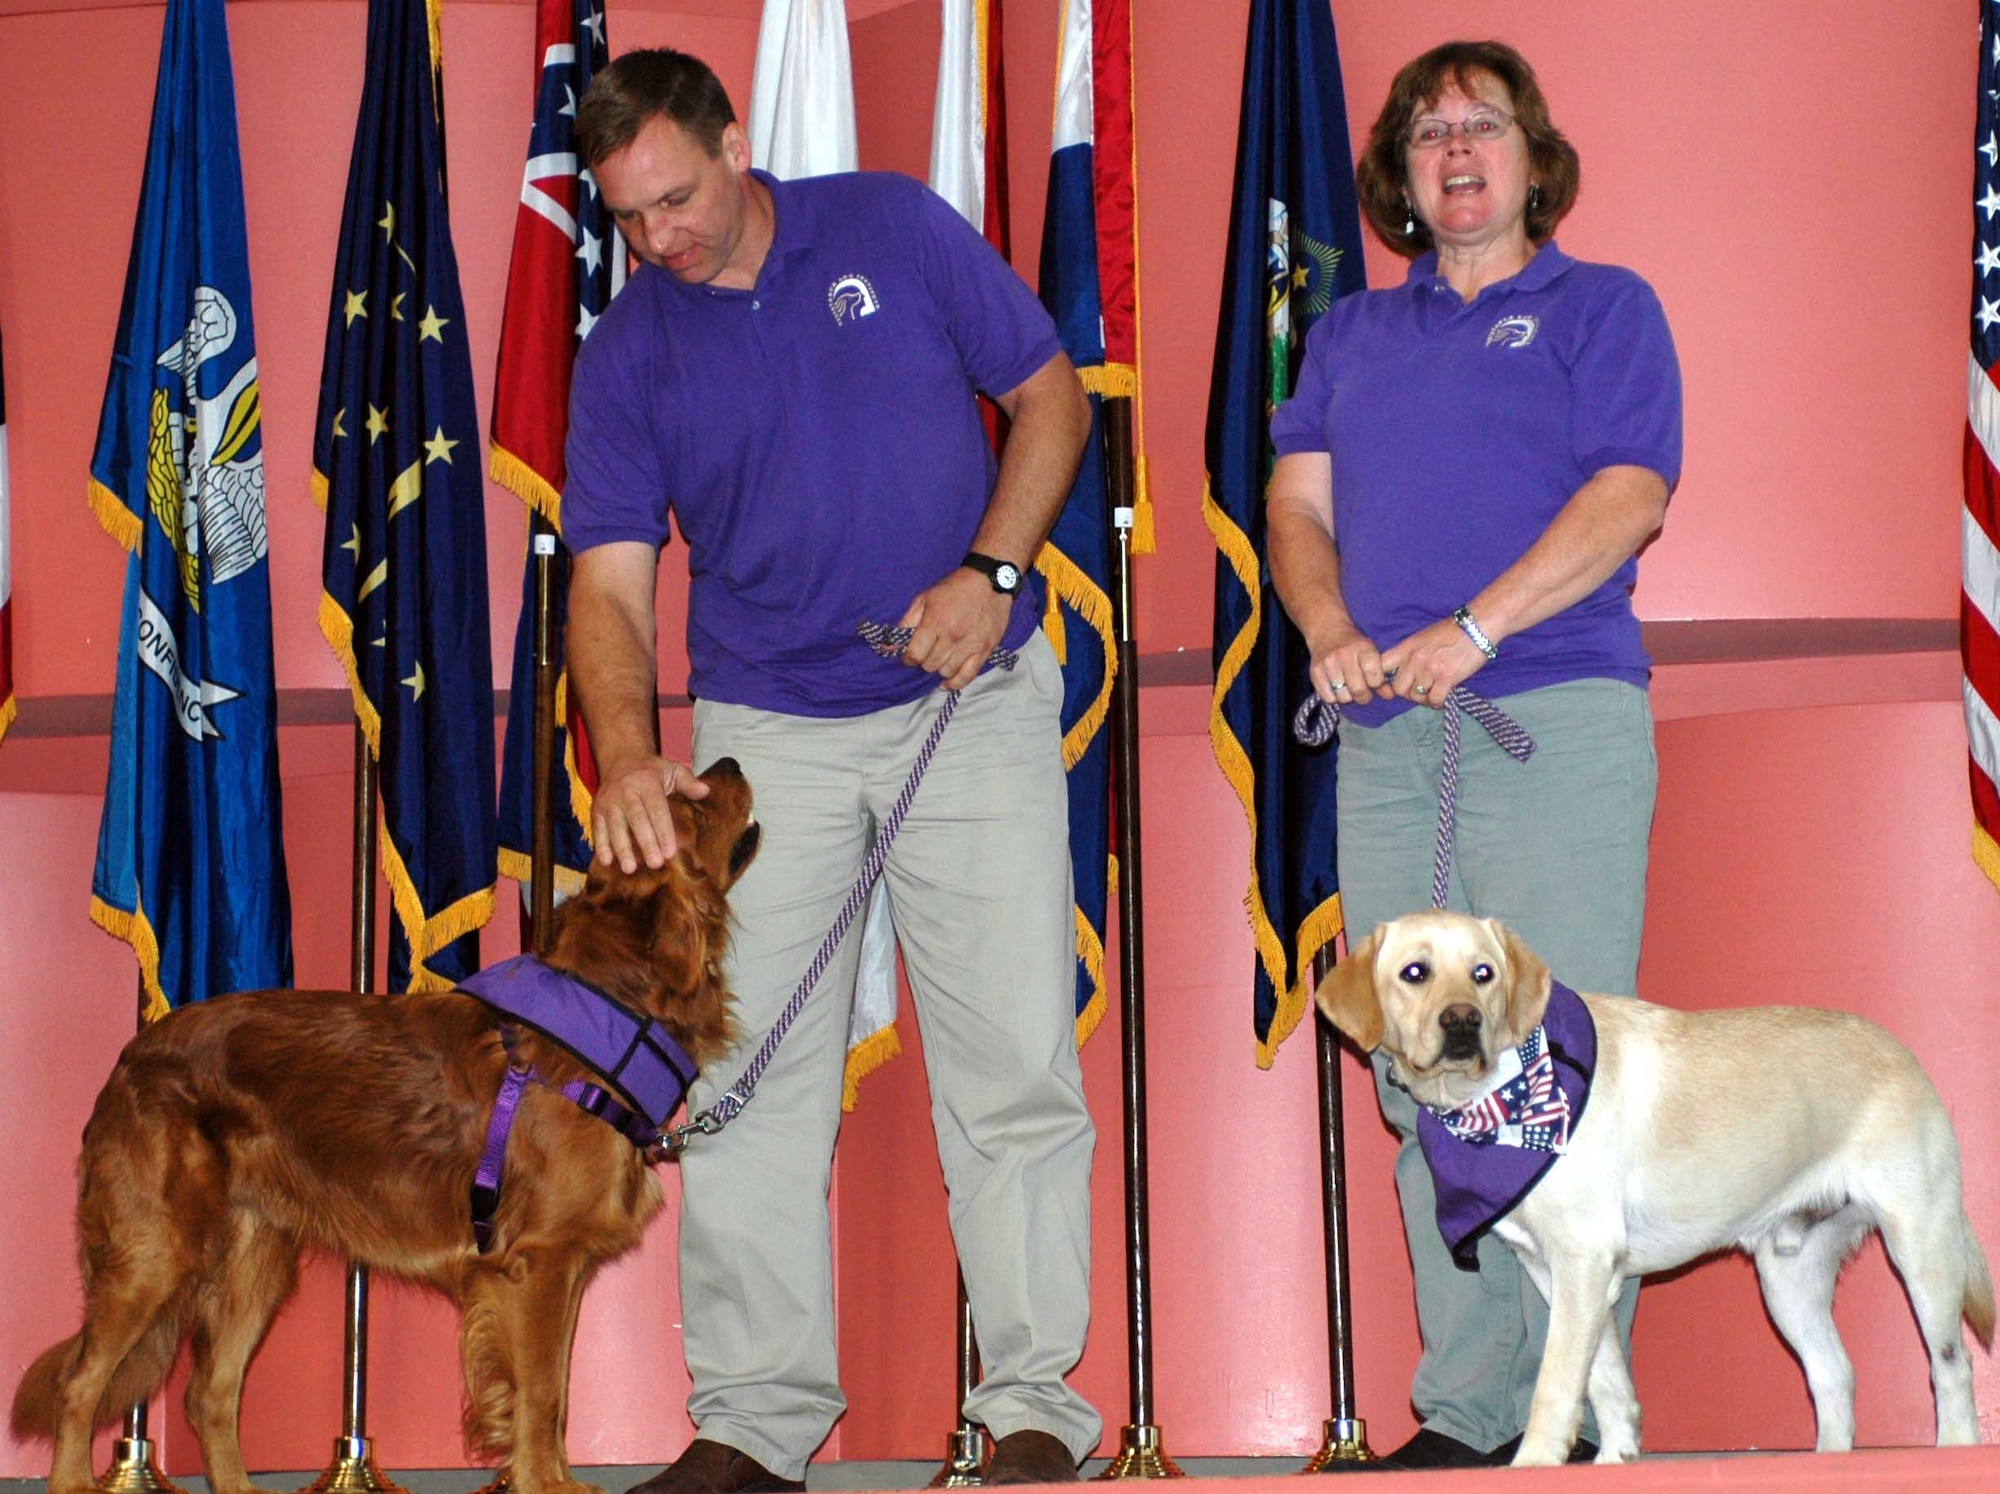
{"x": 396, "y": 468}
{"x": 1294, "y": 247}
{"x": 190, "y": 857}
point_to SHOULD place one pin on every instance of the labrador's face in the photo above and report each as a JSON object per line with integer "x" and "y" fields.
{"x": 1442, "y": 994}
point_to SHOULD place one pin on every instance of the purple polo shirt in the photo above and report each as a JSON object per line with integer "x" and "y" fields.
{"x": 816, "y": 438}
{"x": 1458, "y": 432}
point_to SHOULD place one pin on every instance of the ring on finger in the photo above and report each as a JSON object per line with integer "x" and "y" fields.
{"x": 1338, "y": 686}
{"x": 1422, "y": 689}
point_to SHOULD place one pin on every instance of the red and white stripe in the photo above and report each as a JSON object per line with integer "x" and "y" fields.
{"x": 1979, "y": 610}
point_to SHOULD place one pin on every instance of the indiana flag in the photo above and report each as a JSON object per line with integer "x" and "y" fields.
{"x": 802, "y": 91}
{"x": 1294, "y": 246}
{"x": 568, "y": 263}
{"x": 1979, "y": 601}
{"x": 7, "y": 706}
{"x": 190, "y": 859}
{"x": 396, "y": 468}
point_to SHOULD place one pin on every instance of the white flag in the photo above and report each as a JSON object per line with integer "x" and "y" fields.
{"x": 802, "y": 93}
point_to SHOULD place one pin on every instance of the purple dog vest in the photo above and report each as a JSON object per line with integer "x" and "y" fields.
{"x": 644, "y": 1069}
{"x": 1486, "y": 1156}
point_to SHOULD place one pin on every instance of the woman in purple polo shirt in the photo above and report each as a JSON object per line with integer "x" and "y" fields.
{"x": 1466, "y": 473}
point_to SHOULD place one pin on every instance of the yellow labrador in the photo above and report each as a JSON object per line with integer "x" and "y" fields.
{"x": 1786, "y": 1132}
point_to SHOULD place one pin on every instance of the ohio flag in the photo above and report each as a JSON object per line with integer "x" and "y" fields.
{"x": 568, "y": 263}
{"x": 190, "y": 857}
{"x": 1979, "y": 600}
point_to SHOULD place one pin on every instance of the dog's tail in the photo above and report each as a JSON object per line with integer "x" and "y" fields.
{"x": 1978, "y": 1287}
{"x": 38, "y": 1398}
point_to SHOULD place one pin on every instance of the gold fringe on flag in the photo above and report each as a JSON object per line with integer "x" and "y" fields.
{"x": 1986, "y": 854}
{"x": 117, "y": 520}
{"x": 136, "y": 930}
{"x": 864, "y": 1058}
{"x": 526, "y": 484}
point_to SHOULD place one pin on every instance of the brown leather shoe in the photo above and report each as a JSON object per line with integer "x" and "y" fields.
{"x": 716, "y": 1468}
{"x": 1030, "y": 1457}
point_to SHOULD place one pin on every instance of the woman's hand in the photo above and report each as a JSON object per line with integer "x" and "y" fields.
{"x": 1346, "y": 669}
{"x": 1430, "y": 664}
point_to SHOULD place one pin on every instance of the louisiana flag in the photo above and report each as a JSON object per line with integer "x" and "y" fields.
{"x": 190, "y": 858}
{"x": 7, "y": 706}
{"x": 568, "y": 263}
{"x": 396, "y": 468}
{"x": 1294, "y": 246}
{"x": 1089, "y": 282}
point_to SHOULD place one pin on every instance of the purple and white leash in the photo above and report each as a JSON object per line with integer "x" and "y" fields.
{"x": 889, "y": 642}
{"x": 1317, "y": 720}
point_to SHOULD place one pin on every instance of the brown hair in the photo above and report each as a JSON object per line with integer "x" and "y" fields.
{"x": 1382, "y": 178}
{"x": 642, "y": 85}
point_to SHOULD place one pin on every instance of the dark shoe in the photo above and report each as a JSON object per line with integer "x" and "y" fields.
{"x": 716, "y": 1468}
{"x": 1585, "y": 1451}
{"x": 1030, "y": 1457}
{"x": 1429, "y": 1449}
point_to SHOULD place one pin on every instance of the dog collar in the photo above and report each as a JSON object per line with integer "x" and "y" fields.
{"x": 646, "y": 1072}
{"x": 1487, "y": 1155}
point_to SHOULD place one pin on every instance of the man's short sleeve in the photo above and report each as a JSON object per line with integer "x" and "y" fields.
{"x": 1627, "y": 383}
{"x": 1002, "y": 332}
{"x": 1299, "y": 424}
{"x": 614, "y": 488}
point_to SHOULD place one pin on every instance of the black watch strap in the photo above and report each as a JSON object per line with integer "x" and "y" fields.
{"x": 1004, "y": 574}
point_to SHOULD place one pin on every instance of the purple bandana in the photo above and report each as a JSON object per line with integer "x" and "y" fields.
{"x": 1487, "y": 1155}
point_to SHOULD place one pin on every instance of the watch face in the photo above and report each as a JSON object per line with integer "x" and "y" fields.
{"x": 1007, "y": 577}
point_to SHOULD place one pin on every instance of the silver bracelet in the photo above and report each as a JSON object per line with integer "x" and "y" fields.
{"x": 1472, "y": 630}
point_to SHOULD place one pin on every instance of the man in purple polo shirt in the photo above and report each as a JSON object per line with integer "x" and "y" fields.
{"x": 790, "y": 378}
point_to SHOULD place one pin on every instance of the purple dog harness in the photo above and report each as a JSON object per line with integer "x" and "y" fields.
{"x": 1487, "y": 1155}
{"x": 644, "y": 1070}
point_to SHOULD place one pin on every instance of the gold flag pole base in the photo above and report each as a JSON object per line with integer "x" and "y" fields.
{"x": 352, "y": 1471}
{"x": 1346, "y": 1445}
{"x": 133, "y": 1470}
{"x": 964, "y": 1454}
{"x": 1141, "y": 1455}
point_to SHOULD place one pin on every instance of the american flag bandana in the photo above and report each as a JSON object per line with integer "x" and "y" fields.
{"x": 1526, "y": 1108}
{"x": 1485, "y": 1157}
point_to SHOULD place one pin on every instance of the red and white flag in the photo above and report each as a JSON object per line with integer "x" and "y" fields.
{"x": 1979, "y": 602}
{"x": 7, "y": 706}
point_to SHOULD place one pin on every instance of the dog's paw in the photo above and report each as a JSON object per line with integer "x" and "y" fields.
{"x": 1540, "y": 1453}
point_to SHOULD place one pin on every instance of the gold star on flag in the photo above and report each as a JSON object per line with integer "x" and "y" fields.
{"x": 378, "y": 424}
{"x": 354, "y": 543}
{"x": 438, "y": 449}
{"x": 357, "y": 305}
{"x": 396, "y": 307}
{"x": 387, "y": 222}
{"x": 432, "y": 326}
{"x": 416, "y": 683}
{"x": 1299, "y": 276}
{"x": 339, "y": 429}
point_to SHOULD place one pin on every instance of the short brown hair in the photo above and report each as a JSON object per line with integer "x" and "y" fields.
{"x": 1382, "y": 179}
{"x": 643, "y": 85}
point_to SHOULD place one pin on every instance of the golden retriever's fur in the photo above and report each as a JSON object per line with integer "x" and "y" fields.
{"x": 237, "y": 1131}
{"x": 1787, "y": 1132}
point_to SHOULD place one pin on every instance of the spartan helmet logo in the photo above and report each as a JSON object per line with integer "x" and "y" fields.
{"x": 850, "y": 298}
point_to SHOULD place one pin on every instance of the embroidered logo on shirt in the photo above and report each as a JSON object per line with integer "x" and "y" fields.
{"x": 1513, "y": 331}
{"x": 850, "y": 298}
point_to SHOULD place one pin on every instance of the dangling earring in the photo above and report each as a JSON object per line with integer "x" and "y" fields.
{"x": 1409, "y": 220}
{"x": 1534, "y": 196}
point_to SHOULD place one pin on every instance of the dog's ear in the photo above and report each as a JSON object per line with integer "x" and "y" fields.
{"x": 1347, "y": 995}
{"x": 687, "y": 921}
{"x": 1527, "y": 982}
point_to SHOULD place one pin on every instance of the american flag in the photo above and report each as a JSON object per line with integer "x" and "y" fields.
{"x": 568, "y": 262}
{"x": 1529, "y": 1111}
{"x": 1979, "y": 602}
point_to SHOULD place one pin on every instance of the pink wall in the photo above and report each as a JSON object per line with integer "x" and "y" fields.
{"x": 1814, "y": 270}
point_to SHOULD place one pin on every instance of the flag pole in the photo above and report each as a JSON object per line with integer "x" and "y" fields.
{"x": 965, "y": 1447}
{"x": 1141, "y": 1452}
{"x": 353, "y": 1469}
{"x": 133, "y": 1470}
{"x": 542, "y": 883}
{"x": 1344, "y": 1442}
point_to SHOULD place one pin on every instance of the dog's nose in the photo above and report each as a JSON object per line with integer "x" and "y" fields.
{"x": 727, "y": 767}
{"x": 1461, "y": 1031}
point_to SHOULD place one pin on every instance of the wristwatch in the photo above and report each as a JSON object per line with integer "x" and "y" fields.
{"x": 1004, "y": 574}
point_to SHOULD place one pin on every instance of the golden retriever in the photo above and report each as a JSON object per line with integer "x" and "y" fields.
{"x": 1786, "y": 1132}
{"x": 239, "y": 1130}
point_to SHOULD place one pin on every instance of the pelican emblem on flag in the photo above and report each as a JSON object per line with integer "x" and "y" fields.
{"x": 850, "y": 298}
{"x": 205, "y": 461}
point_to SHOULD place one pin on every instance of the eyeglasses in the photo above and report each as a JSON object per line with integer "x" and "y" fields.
{"x": 1483, "y": 126}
